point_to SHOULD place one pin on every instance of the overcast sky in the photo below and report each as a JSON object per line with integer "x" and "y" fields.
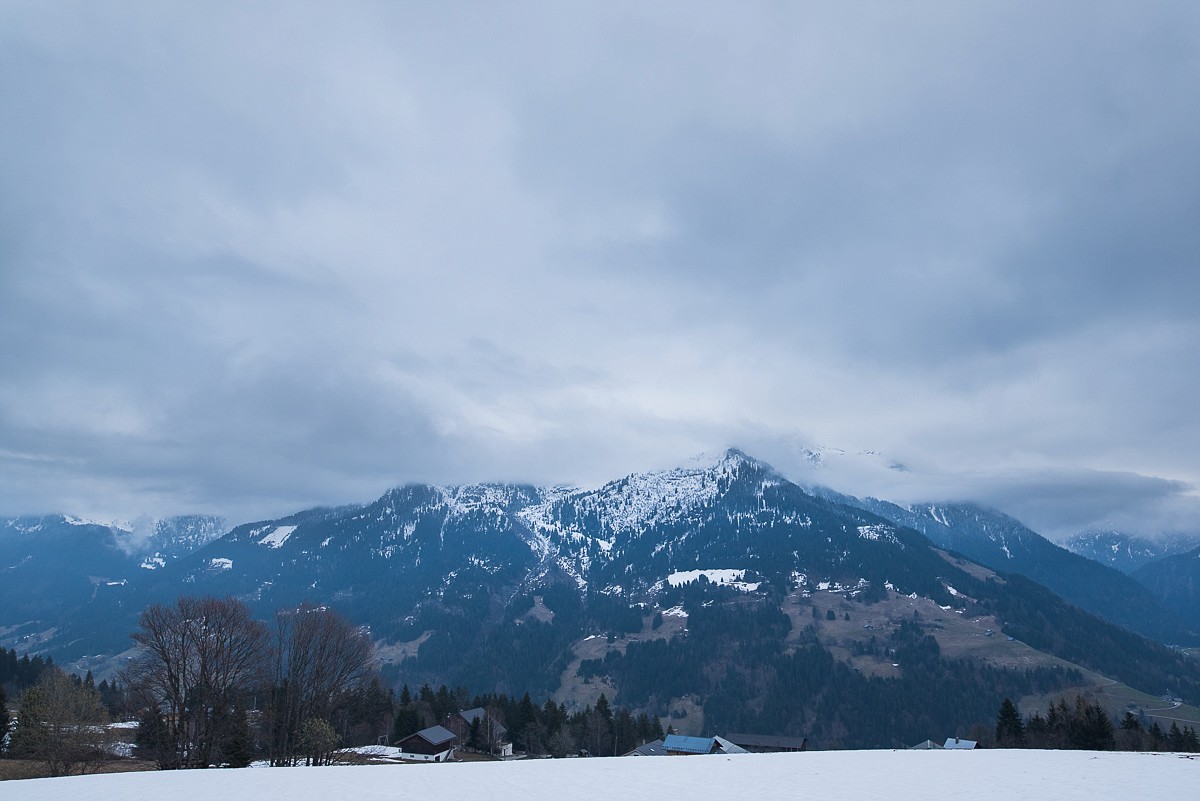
{"x": 261, "y": 256}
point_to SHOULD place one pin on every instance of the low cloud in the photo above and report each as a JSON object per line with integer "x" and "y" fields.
{"x": 257, "y": 258}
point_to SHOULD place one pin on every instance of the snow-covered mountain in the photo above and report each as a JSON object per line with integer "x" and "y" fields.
{"x": 1127, "y": 552}
{"x": 487, "y": 585}
{"x": 53, "y": 563}
{"x": 1002, "y": 543}
{"x": 423, "y": 542}
{"x": 1175, "y": 579}
{"x": 51, "y": 566}
{"x": 170, "y": 538}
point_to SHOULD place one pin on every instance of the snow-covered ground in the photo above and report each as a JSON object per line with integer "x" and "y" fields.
{"x": 883, "y": 775}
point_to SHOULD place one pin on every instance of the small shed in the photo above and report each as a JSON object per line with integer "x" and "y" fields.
{"x": 434, "y": 744}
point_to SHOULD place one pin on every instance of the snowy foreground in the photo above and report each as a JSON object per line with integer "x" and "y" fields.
{"x": 890, "y": 775}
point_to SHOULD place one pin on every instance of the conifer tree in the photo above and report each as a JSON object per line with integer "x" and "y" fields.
{"x": 4, "y": 719}
{"x": 1131, "y": 736}
{"x": 407, "y": 722}
{"x": 237, "y": 746}
{"x": 1191, "y": 743}
{"x": 153, "y": 741}
{"x": 1010, "y": 732}
{"x": 1175, "y": 737}
{"x": 1156, "y": 736}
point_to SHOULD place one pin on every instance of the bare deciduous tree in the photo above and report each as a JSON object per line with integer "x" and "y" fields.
{"x": 319, "y": 656}
{"x": 194, "y": 658}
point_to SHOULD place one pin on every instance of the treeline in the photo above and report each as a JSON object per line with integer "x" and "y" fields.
{"x": 545, "y": 729}
{"x": 59, "y": 722}
{"x": 212, "y": 686}
{"x": 17, "y": 673}
{"x": 1083, "y": 724}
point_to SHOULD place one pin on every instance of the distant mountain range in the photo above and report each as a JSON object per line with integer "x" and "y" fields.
{"x": 723, "y": 568}
{"x": 998, "y": 541}
{"x": 52, "y": 564}
{"x": 1126, "y": 552}
{"x": 1176, "y": 579}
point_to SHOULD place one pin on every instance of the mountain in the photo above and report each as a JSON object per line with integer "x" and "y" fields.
{"x": 1126, "y": 552}
{"x": 1176, "y": 580}
{"x": 718, "y": 594}
{"x": 55, "y": 566}
{"x": 170, "y": 538}
{"x": 1002, "y": 543}
{"x": 54, "y": 563}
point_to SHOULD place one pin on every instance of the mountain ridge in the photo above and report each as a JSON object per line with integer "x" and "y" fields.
{"x": 501, "y": 585}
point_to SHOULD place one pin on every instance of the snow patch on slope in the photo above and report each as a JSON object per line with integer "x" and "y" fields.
{"x": 277, "y": 537}
{"x": 725, "y": 576}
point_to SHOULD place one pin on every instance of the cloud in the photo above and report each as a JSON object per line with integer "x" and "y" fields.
{"x": 256, "y": 257}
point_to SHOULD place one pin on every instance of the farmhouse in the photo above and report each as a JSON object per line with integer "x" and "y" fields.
{"x": 434, "y": 744}
{"x": 489, "y": 734}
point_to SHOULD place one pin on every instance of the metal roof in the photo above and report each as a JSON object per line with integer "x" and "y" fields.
{"x": 728, "y": 747}
{"x": 436, "y": 735}
{"x": 955, "y": 742}
{"x": 688, "y": 745}
{"x": 928, "y": 745}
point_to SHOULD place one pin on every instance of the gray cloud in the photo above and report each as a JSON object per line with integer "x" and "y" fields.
{"x": 254, "y": 257}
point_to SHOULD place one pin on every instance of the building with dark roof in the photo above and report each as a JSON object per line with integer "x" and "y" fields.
{"x": 492, "y": 734}
{"x": 435, "y": 744}
{"x": 652, "y": 748}
{"x": 768, "y": 744}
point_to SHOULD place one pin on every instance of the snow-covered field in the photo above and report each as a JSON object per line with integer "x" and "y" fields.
{"x": 882, "y": 775}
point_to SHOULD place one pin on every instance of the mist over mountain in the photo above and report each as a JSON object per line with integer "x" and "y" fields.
{"x": 1127, "y": 552}
{"x": 1176, "y": 579}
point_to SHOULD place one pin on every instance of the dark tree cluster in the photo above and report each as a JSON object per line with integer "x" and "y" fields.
{"x": 734, "y": 661}
{"x": 1034, "y": 615}
{"x": 537, "y": 729}
{"x": 1083, "y": 724}
{"x": 17, "y": 673}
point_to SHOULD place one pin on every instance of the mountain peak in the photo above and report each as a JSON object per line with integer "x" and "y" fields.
{"x": 730, "y": 458}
